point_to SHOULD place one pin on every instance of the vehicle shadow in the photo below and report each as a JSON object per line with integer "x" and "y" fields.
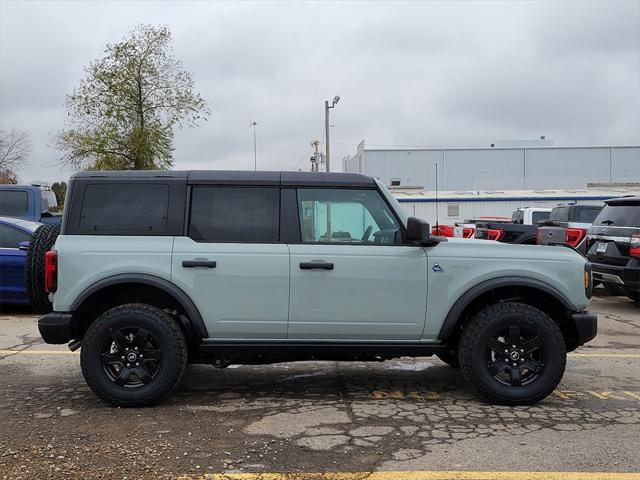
{"x": 417, "y": 379}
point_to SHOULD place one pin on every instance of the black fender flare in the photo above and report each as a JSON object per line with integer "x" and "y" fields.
{"x": 451, "y": 320}
{"x": 152, "y": 280}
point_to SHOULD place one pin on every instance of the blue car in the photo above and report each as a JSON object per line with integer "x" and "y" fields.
{"x": 14, "y": 238}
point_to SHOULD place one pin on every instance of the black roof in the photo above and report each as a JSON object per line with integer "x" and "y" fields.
{"x": 632, "y": 199}
{"x": 241, "y": 177}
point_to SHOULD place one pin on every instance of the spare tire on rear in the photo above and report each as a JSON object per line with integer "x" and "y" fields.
{"x": 41, "y": 242}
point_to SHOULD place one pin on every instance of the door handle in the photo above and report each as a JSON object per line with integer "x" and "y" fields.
{"x": 199, "y": 264}
{"x": 316, "y": 265}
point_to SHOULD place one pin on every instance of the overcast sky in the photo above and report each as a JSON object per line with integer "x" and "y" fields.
{"x": 408, "y": 74}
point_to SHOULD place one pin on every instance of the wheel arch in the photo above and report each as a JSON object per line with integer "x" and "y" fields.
{"x": 527, "y": 290}
{"x": 131, "y": 288}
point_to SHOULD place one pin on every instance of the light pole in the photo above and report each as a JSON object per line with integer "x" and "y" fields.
{"x": 336, "y": 99}
{"x": 255, "y": 150}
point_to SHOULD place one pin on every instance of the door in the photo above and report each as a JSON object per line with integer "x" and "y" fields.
{"x": 231, "y": 263}
{"x": 351, "y": 276}
{"x": 12, "y": 263}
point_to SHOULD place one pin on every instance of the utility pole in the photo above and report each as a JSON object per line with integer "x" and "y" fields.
{"x": 336, "y": 99}
{"x": 255, "y": 150}
{"x": 317, "y": 156}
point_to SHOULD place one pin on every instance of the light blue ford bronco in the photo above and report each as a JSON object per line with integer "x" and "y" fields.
{"x": 153, "y": 270}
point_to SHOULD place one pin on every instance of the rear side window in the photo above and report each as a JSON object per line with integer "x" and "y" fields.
{"x": 619, "y": 216}
{"x": 125, "y": 209}
{"x": 235, "y": 214}
{"x": 11, "y": 238}
{"x": 14, "y": 203}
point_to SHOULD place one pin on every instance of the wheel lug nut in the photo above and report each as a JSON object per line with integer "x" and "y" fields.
{"x": 137, "y": 364}
{"x": 122, "y": 357}
{"x": 136, "y": 348}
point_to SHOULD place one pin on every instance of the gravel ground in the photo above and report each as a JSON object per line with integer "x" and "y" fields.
{"x": 406, "y": 414}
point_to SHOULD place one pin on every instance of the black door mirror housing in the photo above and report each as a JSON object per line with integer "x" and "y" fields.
{"x": 418, "y": 231}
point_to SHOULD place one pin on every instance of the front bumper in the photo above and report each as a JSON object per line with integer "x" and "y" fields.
{"x": 586, "y": 324}
{"x": 56, "y": 327}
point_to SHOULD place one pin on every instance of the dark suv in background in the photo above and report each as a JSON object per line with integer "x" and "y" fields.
{"x": 613, "y": 247}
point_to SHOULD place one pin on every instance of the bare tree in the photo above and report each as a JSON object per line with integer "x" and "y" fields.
{"x": 15, "y": 147}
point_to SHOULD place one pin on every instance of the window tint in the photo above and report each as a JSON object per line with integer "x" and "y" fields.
{"x": 14, "y": 203}
{"x": 619, "y": 216}
{"x": 123, "y": 208}
{"x": 11, "y": 237}
{"x": 539, "y": 216}
{"x": 235, "y": 214}
{"x": 560, "y": 214}
{"x": 588, "y": 215}
{"x": 346, "y": 216}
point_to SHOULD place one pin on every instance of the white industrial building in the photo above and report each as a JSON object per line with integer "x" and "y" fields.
{"x": 494, "y": 181}
{"x": 531, "y": 166}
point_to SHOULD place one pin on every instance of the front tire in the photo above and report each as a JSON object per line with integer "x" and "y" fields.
{"x": 133, "y": 355}
{"x": 512, "y": 354}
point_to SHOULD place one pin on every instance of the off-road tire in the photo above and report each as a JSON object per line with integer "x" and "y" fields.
{"x": 473, "y": 353}
{"x": 170, "y": 341}
{"x": 41, "y": 242}
{"x": 450, "y": 358}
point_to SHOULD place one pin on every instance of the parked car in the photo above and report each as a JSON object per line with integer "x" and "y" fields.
{"x": 464, "y": 229}
{"x": 29, "y": 202}
{"x": 568, "y": 225}
{"x": 613, "y": 247}
{"x": 521, "y": 229}
{"x": 153, "y": 270}
{"x": 15, "y": 235}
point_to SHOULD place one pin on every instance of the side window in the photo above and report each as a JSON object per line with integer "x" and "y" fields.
{"x": 235, "y": 214}
{"x": 11, "y": 238}
{"x": 588, "y": 215}
{"x": 123, "y": 208}
{"x": 14, "y": 203}
{"x": 346, "y": 216}
{"x": 538, "y": 217}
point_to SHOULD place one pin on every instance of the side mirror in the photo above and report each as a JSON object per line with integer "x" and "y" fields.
{"x": 23, "y": 246}
{"x": 418, "y": 232}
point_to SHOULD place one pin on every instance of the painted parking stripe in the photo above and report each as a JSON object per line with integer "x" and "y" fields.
{"x": 38, "y": 352}
{"x": 68, "y": 352}
{"x": 424, "y": 475}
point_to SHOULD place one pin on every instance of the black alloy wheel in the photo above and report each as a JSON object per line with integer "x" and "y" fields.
{"x": 131, "y": 358}
{"x": 515, "y": 356}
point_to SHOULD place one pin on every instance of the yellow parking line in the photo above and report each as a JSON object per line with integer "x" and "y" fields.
{"x": 38, "y": 352}
{"x": 606, "y": 355}
{"x": 425, "y": 475}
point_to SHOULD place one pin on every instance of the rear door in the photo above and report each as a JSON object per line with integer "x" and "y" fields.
{"x": 352, "y": 278}
{"x": 12, "y": 261}
{"x": 232, "y": 263}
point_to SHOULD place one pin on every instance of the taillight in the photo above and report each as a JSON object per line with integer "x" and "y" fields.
{"x": 574, "y": 236}
{"x": 468, "y": 232}
{"x": 634, "y": 245}
{"x": 442, "y": 230}
{"x": 495, "y": 234}
{"x": 51, "y": 271}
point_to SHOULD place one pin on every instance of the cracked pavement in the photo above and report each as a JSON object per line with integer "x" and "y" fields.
{"x": 406, "y": 414}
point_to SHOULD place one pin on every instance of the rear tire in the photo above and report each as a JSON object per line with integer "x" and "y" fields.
{"x": 133, "y": 355}
{"x": 512, "y": 354}
{"x": 41, "y": 242}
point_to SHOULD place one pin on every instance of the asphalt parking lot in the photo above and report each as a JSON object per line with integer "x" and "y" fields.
{"x": 409, "y": 415}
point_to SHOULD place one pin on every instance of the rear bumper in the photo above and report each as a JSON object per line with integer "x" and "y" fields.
{"x": 586, "y": 324}
{"x": 627, "y": 277}
{"x": 56, "y": 327}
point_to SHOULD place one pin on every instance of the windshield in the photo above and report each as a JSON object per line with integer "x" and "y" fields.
{"x": 393, "y": 202}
